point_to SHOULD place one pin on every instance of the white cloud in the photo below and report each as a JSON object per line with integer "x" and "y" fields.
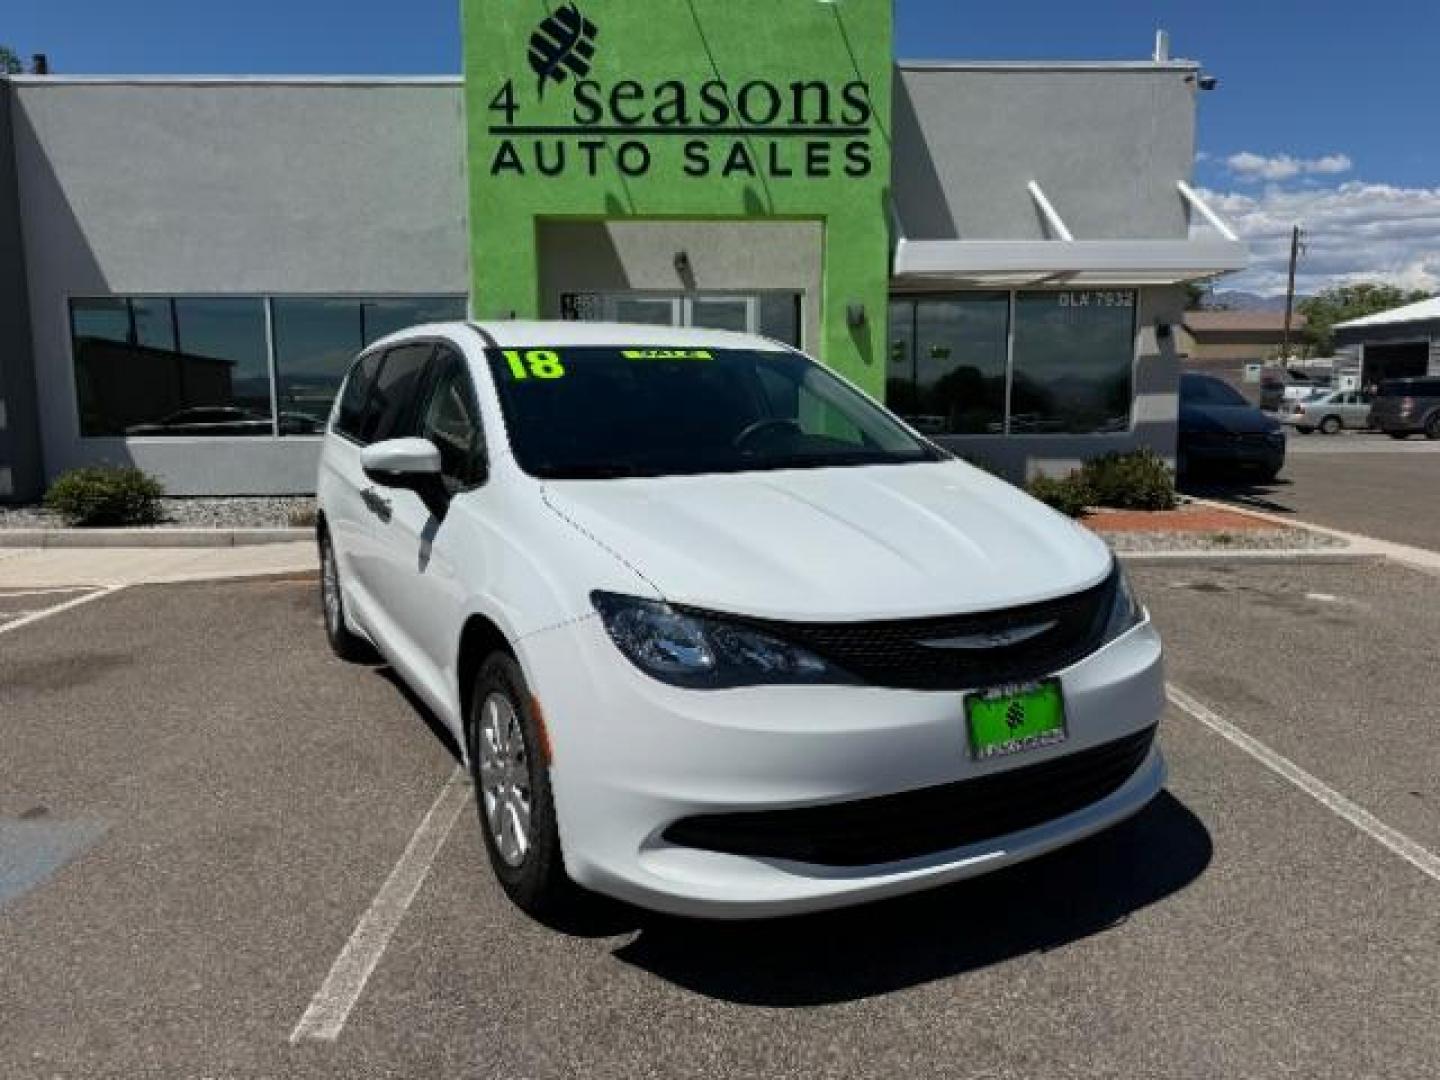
{"x": 1356, "y": 231}
{"x": 1252, "y": 167}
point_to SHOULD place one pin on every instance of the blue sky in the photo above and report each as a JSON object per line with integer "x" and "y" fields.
{"x": 1325, "y": 112}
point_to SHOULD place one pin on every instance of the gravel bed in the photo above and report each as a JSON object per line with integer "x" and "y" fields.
{"x": 1239, "y": 540}
{"x": 268, "y": 512}
{"x": 298, "y": 511}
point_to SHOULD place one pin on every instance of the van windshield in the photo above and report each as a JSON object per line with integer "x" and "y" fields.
{"x": 594, "y": 412}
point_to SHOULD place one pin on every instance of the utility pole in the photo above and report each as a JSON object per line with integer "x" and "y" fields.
{"x": 1290, "y": 295}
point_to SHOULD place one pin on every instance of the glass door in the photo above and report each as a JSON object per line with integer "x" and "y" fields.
{"x": 650, "y": 310}
{"x": 723, "y": 313}
{"x": 772, "y": 314}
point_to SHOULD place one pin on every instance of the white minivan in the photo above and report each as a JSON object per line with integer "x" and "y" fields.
{"x": 716, "y": 633}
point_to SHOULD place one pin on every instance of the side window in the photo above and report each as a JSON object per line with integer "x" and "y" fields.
{"x": 357, "y": 388}
{"x": 389, "y": 411}
{"x": 451, "y": 420}
{"x": 808, "y": 406}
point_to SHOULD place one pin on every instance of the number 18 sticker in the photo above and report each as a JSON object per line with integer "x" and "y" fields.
{"x": 534, "y": 364}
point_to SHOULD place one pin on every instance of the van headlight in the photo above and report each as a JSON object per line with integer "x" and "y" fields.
{"x": 1126, "y": 612}
{"x": 705, "y": 651}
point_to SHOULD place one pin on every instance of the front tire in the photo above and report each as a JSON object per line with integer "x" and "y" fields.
{"x": 510, "y": 768}
{"x": 1330, "y": 425}
{"x": 347, "y": 646}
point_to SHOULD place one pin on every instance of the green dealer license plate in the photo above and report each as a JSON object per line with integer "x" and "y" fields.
{"x": 1009, "y": 719}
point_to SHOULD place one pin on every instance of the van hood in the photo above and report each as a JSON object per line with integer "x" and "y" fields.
{"x": 897, "y": 541}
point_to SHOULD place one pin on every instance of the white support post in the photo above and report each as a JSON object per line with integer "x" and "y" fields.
{"x": 1193, "y": 198}
{"x": 1057, "y": 223}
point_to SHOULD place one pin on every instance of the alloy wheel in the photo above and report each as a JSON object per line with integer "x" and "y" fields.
{"x": 504, "y": 778}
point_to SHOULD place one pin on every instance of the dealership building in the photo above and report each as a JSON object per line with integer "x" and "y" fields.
{"x": 997, "y": 249}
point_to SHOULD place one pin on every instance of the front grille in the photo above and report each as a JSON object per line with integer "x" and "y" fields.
{"x": 915, "y": 823}
{"x": 965, "y": 651}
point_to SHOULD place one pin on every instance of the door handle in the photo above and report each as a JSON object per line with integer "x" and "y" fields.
{"x": 379, "y": 506}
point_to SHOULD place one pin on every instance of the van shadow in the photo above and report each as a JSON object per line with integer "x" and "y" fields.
{"x": 1067, "y": 896}
{"x": 437, "y": 728}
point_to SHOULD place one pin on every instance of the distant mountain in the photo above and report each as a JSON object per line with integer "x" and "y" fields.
{"x": 1235, "y": 300}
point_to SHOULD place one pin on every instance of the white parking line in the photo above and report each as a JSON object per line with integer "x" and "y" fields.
{"x": 1426, "y": 861}
{"x": 45, "y": 613}
{"x": 325, "y": 1018}
{"x": 6, "y": 594}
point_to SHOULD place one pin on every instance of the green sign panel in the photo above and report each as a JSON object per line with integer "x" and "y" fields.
{"x": 730, "y": 110}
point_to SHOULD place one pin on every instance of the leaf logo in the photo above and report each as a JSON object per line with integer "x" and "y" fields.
{"x": 563, "y": 42}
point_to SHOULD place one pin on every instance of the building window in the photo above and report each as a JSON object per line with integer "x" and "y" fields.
{"x": 315, "y": 340}
{"x": 1074, "y": 362}
{"x": 1041, "y": 362}
{"x": 317, "y": 337}
{"x": 201, "y": 365}
{"x": 379, "y": 317}
{"x": 947, "y": 367}
{"x": 160, "y": 367}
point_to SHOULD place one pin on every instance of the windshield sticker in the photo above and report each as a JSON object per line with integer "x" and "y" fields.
{"x": 534, "y": 364}
{"x": 667, "y": 354}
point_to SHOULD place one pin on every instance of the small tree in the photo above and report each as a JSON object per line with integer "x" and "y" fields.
{"x": 9, "y": 62}
{"x": 1345, "y": 302}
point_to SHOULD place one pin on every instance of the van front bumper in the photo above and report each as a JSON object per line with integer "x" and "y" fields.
{"x": 641, "y": 770}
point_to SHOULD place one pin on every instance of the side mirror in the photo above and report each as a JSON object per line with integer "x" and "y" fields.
{"x": 411, "y": 465}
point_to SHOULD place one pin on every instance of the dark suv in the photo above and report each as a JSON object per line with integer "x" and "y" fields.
{"x": 1407, "y": 407}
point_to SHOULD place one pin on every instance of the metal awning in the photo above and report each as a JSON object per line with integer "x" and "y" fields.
{"x": 1065, "y": 260}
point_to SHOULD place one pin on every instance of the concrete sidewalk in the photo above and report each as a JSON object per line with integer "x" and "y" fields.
{"x": 61, "y": 567}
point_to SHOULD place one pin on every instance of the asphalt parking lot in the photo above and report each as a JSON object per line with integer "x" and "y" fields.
{"x": 1361, "y": 482}
{"x": 199, "y": 805}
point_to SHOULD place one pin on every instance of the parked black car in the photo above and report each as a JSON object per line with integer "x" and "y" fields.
{"x": 1220, "y": 430}
{"x": 1408, "y": 407}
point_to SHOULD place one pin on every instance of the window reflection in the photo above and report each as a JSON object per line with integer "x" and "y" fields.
{"x": 960, "y": 364}
{"x": 1074, "y": 355}
{"x": 1072, "y": 362}
{"x": 379, "y": 317}
{"x": 158, "y": 367}
{"x": 168, "y": 366}
{"x": 315, "y": 340}
{"x": 900, "y": 368}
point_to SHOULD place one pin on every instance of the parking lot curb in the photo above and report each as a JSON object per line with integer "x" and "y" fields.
{"x": 149, "y": 538}
{"x": 219, "y": 577}
{"x": 1259, "y": 556}
{"x": 1359, "y": 544}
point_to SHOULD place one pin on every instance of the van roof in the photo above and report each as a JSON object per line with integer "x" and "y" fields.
{"x": 542, "y": 333}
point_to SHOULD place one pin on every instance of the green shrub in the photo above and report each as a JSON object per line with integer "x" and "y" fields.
{"x": 1070, "y": 495}
{"x": 105, "y": 495}
{"x": 1139, "y": 480}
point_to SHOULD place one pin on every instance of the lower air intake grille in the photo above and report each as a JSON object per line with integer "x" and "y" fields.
{"x": 915, "y": 823}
